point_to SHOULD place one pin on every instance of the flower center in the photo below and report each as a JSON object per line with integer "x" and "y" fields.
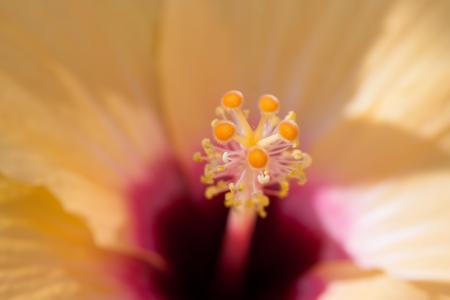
{"x": 252, "y": 163}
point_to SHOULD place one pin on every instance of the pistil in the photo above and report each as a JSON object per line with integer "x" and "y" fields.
{"x": 235, "y": 250}
{"x": 247, "y": 165}
{"x": 243, "y": 162}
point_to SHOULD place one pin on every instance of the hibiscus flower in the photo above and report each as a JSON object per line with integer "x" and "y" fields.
{"x": 103, "y": 103}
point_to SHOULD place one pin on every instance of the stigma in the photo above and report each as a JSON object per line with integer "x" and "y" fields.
{"x": 251, "y": 163}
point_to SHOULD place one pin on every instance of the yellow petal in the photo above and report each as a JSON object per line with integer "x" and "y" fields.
{"x": 404, "y": 78}
{"x": 196, "y": 69}
{"x": 305, "y": 52}
{"x": 400, "y": 225}
{"x": 76, "y": 90}
{"x": 47, "y": 253}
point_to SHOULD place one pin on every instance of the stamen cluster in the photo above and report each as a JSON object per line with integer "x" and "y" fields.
{"x": 249, "y": 164}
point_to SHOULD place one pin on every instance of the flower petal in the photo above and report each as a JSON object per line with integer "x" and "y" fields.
{"x": 196, "y": 69}
{"x": 396, "y": 123}
{"x": 336, "y": 280}
{"x": 305, "y": 52}
{"x": 47, "y": 253}
{"x": 76, "y": 90}
{"x": 373, "y": 288}
{"x": 404, "y": 79}
{"x": 436, "y": 291}
{"x": 400, "y": 225}
{"x": 359, "y": 151}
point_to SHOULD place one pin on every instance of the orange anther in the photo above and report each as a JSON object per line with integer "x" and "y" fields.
{"x": 288, "y": 130}
{"x": 232, "y": 99}
{"x": 269, "y": 104}
{"x": 224, "y": 131}
{"x": 257, "y": 158}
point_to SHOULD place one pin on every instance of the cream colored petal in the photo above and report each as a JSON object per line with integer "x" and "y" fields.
{"x": 76, "y": 90}
{"x": 47, "y": 253}
{"x": 405, "y": 76}
{"x": 398, "y": 118}
{"x": 342, "y": 280}
{"x": 400, "y": 225}
{"x": 305, "y": 52}
{"x": 373, "y": 288}
{"x": 436, "y": 291}
{"x": 359, "y": 151}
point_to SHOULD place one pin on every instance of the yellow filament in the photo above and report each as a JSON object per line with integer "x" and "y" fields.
{"x": 291, "y": 116}
{"x": 284, "y": 189}
{"x": 213, "y": 190}
{"x": 197, "y": 157}
{"x": 262, "y": 202}
{"x": 259, "y": 129}
{"x": 242, "y": 119}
